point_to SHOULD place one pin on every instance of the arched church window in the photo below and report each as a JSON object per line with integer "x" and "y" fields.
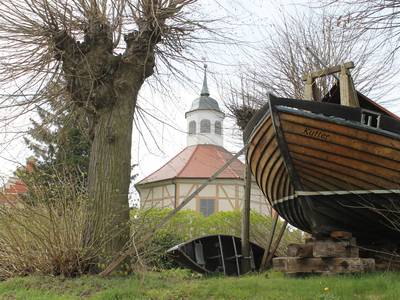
{"x": 192, "y": 127}
{"x": 205, "y": 126}
{"x": 218, "y": 127}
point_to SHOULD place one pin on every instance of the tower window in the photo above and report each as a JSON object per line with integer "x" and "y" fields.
{"x": 192, "y": 127}
{"x": 207, "y": 206}
{"x": 218, "y": 127}
{"x": 205, "y": 126}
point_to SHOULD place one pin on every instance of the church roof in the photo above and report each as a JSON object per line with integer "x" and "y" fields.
{"x": 198, "y": 161}
{"x": 204, "y": 102}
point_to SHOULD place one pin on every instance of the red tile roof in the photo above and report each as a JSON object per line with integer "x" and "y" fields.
{"x": 14, "y": 186}
{"x": 17, "y": 187}
{"x": 198, "y": 161}
{"x": 12, "y": 190}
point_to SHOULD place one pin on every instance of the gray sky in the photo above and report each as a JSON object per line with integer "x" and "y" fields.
{"x": 247, "y": 21}
{"x": 241, "y": 17}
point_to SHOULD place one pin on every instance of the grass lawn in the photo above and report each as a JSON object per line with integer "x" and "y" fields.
{"x": 180, "y": 284}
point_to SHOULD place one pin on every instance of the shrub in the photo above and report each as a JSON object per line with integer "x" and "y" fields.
{"x": 152, "y": 253}
{"x": 187, "y": 224}
{"x": 260, "y": 228}
{"x": 47, "y": 237}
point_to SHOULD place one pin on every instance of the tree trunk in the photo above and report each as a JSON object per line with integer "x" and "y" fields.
{"x": 109, "y": 174}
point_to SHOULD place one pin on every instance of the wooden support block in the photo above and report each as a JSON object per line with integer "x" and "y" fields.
{"x": 280, "y": 263}
{"x": 296, "y": 265}
{"x": 369, "y": 264}
{"x": 330, "y": 248}
{"x": 345, "y": 235}
{"x": 300, "y": 250}
{"x": 309, "y": 240}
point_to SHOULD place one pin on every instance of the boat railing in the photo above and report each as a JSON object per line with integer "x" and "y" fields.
{"x": 360, "y": 115}
{"x": 370, "y": 118}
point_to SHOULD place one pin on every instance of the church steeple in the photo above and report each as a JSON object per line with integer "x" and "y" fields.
{"x": 204, "y": 90}
{"x": 205, "y": 118}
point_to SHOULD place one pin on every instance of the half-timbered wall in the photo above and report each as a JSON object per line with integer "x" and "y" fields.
{"x": 162, "y": 196}
{"x": 227, "y": 194}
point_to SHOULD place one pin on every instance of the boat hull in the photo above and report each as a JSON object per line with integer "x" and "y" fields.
{"x": 215, "y": 254}
{"x": 358, "y": 215}
{"x": 323, "y": 171}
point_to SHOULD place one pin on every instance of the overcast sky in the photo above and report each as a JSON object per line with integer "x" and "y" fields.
{"x": 247, "y": 21}
{"x": 242, "y": 19}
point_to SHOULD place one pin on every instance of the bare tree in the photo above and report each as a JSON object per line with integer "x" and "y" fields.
{"x": 381, "y": 18}
{"x": 301, "y": 43}
{"x": 369, "y": 15}
{"x": 101, "y": 51}
{"x": 243, "y": 101}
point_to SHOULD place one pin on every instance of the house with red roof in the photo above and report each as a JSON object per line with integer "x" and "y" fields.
{"x": 15, "y": 187}
{"x": 11, "y": 190}
{"x": 203, "y": 156}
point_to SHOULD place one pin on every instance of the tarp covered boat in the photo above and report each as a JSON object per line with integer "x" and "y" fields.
{"x": 331, "y": 165}
{"x": 215, "y": 254}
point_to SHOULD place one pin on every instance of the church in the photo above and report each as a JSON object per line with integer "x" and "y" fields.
{"x": 204, "y": 155}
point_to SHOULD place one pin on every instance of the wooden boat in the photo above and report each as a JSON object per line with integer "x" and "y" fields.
{"x": 215, "y": 253}
{"x": 332, "y": 165}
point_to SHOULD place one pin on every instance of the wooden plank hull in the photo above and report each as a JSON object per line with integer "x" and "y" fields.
{"x": 322, "y": 170}
{"x": 215, "y": 254}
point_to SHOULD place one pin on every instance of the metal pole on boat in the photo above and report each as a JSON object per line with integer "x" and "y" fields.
{"x": 277, "y": 242}
{"x": 246, "y": 265}
{"x": 271, "y": 237}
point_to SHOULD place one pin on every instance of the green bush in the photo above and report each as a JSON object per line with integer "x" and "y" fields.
{"x": 177, "y": 230}
{"x": 187, "y": 224}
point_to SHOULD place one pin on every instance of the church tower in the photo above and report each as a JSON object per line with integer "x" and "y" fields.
{"x": 205, "y": 119}
{"x": 204, "y": 154}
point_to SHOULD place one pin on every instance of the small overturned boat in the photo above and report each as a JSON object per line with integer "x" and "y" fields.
{"x": 332, "y": 164}
{"x": 215, "y": 254}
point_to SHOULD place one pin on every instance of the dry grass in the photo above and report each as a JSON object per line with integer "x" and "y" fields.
{"x": 45, "y": 238}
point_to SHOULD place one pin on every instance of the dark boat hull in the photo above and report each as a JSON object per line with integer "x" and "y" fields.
{"x": 359, "y": 215}
{"x": 323, "y": 170}
{"x": 215, "y": 254}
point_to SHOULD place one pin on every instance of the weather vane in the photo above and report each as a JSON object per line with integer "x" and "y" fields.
{"x": 204, "y": 62}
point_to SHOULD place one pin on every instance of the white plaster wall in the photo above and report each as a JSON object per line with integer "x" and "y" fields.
{"x": 258, "y": 202}
{"x": 209, "y": 191}
{"x": 228, "y": 191}
{"x": 171, "y": 189}
{"x": 187, "y": 188}
{"x": 157, "y": 192}
{"x": 205, "y": 138}
{"x": 225, "y": 205}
